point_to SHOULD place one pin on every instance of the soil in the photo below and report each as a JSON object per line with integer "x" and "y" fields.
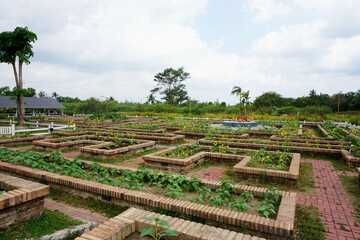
{"x": 253, "y": 204}
{"x": 112, "y": 147}
{"x": 135, "y": 236}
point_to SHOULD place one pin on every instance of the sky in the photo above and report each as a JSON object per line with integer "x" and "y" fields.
{"x": 91, "y": 48}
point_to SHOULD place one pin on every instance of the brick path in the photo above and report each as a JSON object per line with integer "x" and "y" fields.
{"x": 22, "y": 148}
{"x": 71, "y": 154}
{"x": 212, "y": 173}
{"x": 332, "y": 201}
{"x": 74, "y": 212}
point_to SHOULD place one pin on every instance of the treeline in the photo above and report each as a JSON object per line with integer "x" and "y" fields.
{"x": 267, "y": 103}
{"x": 271, "y": 103}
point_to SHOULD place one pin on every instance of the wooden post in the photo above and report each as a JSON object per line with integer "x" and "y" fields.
{"x": 13, "y": 129}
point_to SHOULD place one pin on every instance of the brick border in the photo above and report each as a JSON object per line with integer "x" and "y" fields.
{"x": 350, "y": 159}
{"x": 54, "y": 144}
{"x": 240, "y": 161}
{"x": 23, "y": 200}
{"x": 283, "y": 226}
{"x": 95, "y": 151}
{"x": 158, "y": 137}
{"x": 132, "y": 220}
{"x": 241, "y": 170}
{"x": 19, "y": 141}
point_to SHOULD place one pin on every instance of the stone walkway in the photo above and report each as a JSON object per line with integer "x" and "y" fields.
{"x": 332, "y": 201}
{"x": 212, "y": 173}
{"x": 74, "y": 212}
{"x": 22, "y": 148}
{"x": 71, "y": 154}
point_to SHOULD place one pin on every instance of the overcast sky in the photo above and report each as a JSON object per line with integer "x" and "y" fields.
{"x": 114, "y": 48}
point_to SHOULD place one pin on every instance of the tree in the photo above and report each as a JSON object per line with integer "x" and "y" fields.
{"x": 28, "y": 92}
{"x": 151, "y": 98}
{"x": 245, "y": 99}
{"x": 42, "y": 94}
{"x": 5, "y": 91}
{"x": 170, "y": 85}
{"x": 17, "y": 45}
{"x": 270, "y": 99}
{"x": 237, "y": 91}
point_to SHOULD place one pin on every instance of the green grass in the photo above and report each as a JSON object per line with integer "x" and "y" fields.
{"x": 308, "y": 225}
{"x": 49, "y": 222}
{"x": 351, "y": 185}
{"x": 109, "y": 210}
{"x": 337, "y": 162}
{"x": 304, "y": 185}
{"x": 120, "y": 160}
{"x": 340, "y": 165}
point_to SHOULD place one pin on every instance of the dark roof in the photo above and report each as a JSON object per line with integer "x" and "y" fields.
{"x": 31, "y": 102}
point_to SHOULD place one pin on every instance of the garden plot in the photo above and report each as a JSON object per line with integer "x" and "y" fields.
{"x": 20, "y": 200}
{"x": 19, "y": 140}
{"x": 129, "y": 224}
{"x": 315, "y": 149}
{"x": 313, "y": 131}
{"x": 164, "y": 138}
{"x": 283, "y": 167}
{"x": 121, "y": 147}
{"x": 264, "y": 212}
{"x": 66, "y": 143}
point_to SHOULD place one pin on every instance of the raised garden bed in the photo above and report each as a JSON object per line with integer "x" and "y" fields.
{"x": 199, "y": 135}
{"x": 10, "y": 142}
{"x": 21, "y": 201}
{"x": 65, "y": 143}
{"x": 338, "y": 152}
{"x": 130, "y": 223}
{"x": 165, "y": 138}
{"x": 281, "y": 226}
{"x": 189, "y": 159}
{"x": 312, "y": 141}
{"x": 127, "y": 147}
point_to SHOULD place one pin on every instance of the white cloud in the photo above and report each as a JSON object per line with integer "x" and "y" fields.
{"x": 266, "y": 9}
{"x": 344, "y": 54}
{"x": 114, "y": 48}
{"x": 292, "y": 41}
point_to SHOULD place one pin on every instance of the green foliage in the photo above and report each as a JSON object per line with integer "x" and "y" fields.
{"x": 170, "y": 85}
{"x": 17, "y": 44}
{"x": 107, "y": 209}
{"x": 308, "y": 224}
{"x": 270, "y": 204}
{"x": 155, "y": 233}
{"x": 48, "y": 223}
{"x": 270, "y": 160}
{"x": 108, "y": 116}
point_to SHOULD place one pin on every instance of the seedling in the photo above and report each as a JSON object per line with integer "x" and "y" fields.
{"x": 155, "y": 233}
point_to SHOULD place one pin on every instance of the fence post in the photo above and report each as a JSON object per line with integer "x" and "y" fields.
{"x": 13, "y": 129}
{"x": 37, "y": 124}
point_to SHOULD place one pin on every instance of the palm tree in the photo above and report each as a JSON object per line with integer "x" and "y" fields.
{"x": 238, "y": 92}
{"x": 245, "y": 99}
{"x": 151, "y": 98}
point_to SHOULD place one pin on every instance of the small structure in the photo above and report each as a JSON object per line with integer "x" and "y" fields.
{"x": 32, "y": 105}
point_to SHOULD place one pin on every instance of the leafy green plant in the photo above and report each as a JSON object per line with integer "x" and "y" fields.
{"x": 155, "y": 233}
{"x": 240, "y": 205}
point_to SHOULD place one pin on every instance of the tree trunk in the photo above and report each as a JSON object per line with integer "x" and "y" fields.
{"x": 20, "y": 97}
{"x": 21, "y": 109}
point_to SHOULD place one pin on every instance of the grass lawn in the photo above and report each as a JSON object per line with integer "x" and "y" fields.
{"x": 121, "y": 160}
{"x": 351, "y": 185}
{"x": 49, "y": 222}
{"x": 109, "y": 210}
{"x": 308, "y": 225}
{"x": 304, "y": 185}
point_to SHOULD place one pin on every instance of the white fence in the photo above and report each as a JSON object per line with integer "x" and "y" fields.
{"x": 11, "y": 130}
